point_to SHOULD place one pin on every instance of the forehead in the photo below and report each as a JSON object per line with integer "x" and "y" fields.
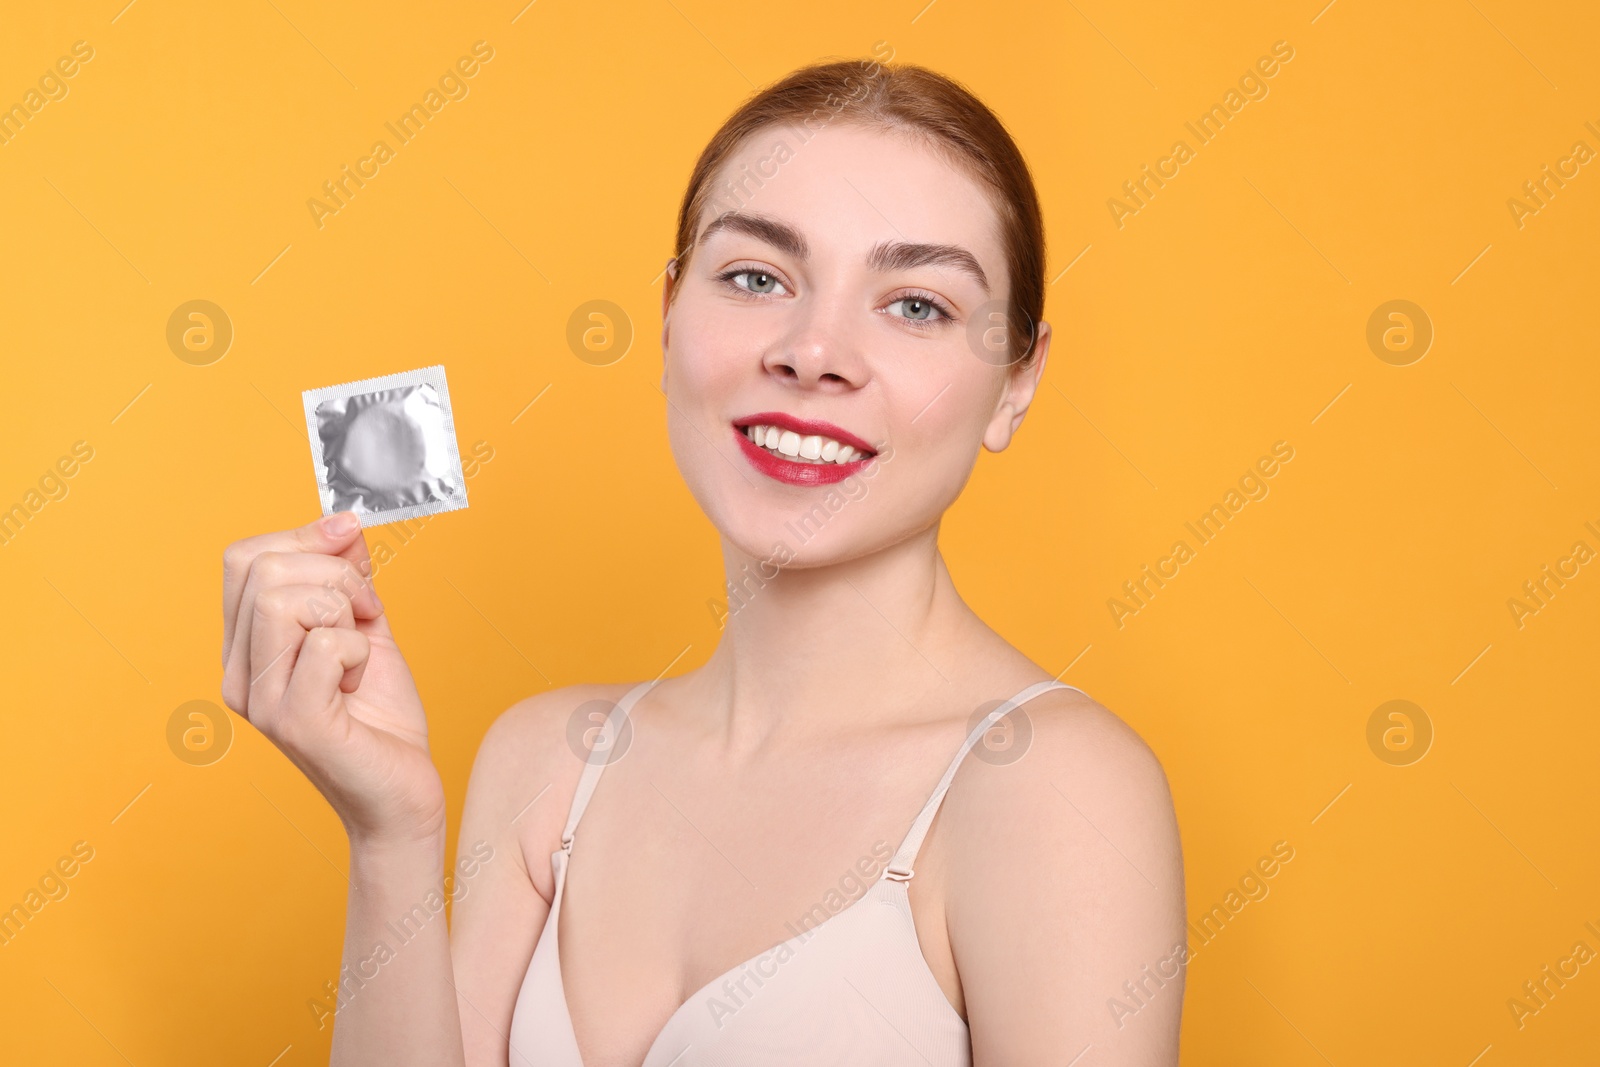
{"x": 847, "y": 188}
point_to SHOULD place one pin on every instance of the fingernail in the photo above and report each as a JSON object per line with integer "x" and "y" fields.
{"x": 341, "y": 524}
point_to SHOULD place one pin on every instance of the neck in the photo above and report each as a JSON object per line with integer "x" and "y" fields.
{"x": 819, "y": 647}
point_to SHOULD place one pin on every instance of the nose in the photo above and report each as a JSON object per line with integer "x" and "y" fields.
{"x": 819, "y": 348}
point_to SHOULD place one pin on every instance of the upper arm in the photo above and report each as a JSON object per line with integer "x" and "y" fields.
{"x": 521, "y": 787}
{"x": 1070, "y": 884}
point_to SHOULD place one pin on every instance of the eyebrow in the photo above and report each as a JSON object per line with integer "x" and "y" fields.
{"x": 885, "y": 255}
{"x": 903, "y": 255}
{"x": 779, "y": 235}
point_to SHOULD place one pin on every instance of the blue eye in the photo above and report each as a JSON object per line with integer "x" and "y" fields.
{"x": 758, "y": 282}
{"x": 917, "y": 308}
{"x": 921, "y": 311}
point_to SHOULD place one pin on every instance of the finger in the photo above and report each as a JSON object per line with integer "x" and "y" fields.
{"x": 275, "y": 570}
{"x": 374, "y": 629}
{"x": 272, "y": 568}
{"x": 328, "y": 656}
{"x": 352, "y": 677}
{"x": 359, "y": 556}
{"x": 333, "y": 535}
{"x": 280, "y": 619}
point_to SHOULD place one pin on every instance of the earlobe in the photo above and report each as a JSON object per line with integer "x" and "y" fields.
{"x": 1019, "y": 395}
{"x": 1001, "y": 428}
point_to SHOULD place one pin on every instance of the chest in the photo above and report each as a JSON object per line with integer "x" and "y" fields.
{"x": 680, "y": 878}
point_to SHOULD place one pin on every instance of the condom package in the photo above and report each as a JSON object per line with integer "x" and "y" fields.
{"x": 385, "y": 448}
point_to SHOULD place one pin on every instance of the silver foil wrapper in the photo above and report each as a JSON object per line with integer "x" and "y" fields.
{"x": 385, "y": 448}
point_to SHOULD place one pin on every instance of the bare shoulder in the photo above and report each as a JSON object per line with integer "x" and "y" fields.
{"x": 523, "y": 780}
{"x": 1063, "y": 744}
{"x": 527, "y": 768}
{"x": 1064, "y": 877}
{"x": 1079, "y": 745}
{"x": 1074, "y": 770}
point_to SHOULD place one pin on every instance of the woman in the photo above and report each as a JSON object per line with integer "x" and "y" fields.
{"x": 772, "y": 870}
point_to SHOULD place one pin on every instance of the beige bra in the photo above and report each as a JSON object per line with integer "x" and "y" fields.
{"x": 853, "y": 989}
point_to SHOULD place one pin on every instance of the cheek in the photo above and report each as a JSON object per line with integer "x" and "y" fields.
{"x": 929, "y": 462}
{"x": 937, "y": 442}
{"x": 941, "y": 413}
{"x": 705, "y": 361}
{"x": 706, "y": 338}
{"x": 941, "y": 463}
{"x": 704, "y": 371}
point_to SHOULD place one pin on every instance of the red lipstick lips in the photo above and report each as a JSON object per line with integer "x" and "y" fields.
{"x": 793, "y": 472}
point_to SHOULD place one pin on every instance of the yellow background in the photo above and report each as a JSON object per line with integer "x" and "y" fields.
{"x": 1229, "y": 313}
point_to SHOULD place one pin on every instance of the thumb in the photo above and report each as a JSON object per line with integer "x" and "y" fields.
{"x": 329, "y": 535}
{"x": 338, "y": 534}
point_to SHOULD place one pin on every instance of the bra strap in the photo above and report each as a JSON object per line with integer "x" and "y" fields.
{"x": 599, "y": 756}
{"x": 899, "y": 867}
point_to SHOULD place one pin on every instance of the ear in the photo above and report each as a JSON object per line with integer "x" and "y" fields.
{"x": 1021, "y": 384}
{"x": 666, "y": 306}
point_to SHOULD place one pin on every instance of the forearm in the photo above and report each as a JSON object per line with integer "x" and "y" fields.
{"x": 396, "y": 998}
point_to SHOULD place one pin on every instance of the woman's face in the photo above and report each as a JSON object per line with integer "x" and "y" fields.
{"x": 848, "y": 281}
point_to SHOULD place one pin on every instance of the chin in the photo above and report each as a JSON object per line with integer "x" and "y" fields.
{"x": 796, "y": 539}
{"x": 780, "y": 530}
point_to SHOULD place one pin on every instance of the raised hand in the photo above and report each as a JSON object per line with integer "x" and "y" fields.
{"x": 309, "y": 660}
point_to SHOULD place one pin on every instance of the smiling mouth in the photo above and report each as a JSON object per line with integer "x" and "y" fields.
{"x": 801, "y": 448}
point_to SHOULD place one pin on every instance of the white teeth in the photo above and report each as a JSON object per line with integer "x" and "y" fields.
{"x": 812, "y": 448}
